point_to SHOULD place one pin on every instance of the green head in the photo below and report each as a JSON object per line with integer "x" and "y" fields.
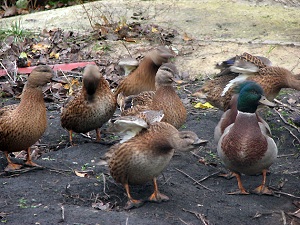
{"x": 251, "y": 95}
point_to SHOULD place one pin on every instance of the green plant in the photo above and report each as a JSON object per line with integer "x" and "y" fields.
{"x": 16, "y": 31}
{"x": 85, "y": 166}
{"x": 23, "y": 203}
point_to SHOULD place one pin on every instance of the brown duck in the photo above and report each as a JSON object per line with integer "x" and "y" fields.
{"x": 22, "y": 125}
{"x": 93, "y": 106}
{"x": 143, "y": 157}
{"x": 219, "y": 90}
{"x": 143, "y": 77}
{"x": 164, "y": 98}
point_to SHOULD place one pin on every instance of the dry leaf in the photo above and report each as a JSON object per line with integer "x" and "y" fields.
{"x": 54, "y": 55}
{"x": 200, "y": 105}
{"x": 291, "y": 101}
{"x": 154, "y": 30}
{"x": 186, "y": 37}
{"x": 57, "y": 86}
{"x": 40, "y": 46}
{"x": 85, "y": 173}
{"x": 100, "y": 206}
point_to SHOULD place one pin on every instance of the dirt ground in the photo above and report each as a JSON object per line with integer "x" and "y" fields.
{"x": 58, "y": 194}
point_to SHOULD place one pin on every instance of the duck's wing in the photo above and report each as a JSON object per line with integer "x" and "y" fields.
{"x": 126, "y": 126}
{"x": 7, "y": 109}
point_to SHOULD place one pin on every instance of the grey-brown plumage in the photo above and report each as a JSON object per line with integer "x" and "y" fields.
{"x": 164, "y": 98}
{"x": 93, "y": 106}
{"x": 246, "y": 67}
{"x": 22, "y": 125}
{"x": 143, "y": 77}
{"x": 143, "y": 157}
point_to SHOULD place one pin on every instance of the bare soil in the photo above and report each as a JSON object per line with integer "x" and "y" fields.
{"x": 57, "y": 194}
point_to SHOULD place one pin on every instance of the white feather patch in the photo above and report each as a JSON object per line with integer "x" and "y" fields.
{"x": 240, "y": 78}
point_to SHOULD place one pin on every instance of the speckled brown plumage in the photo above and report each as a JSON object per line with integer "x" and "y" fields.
{"x": 143, "y": 77}
{"x": 143, "y": 157}
{"x": 165, "y": 98}
{"x": 271, "y": 78}
{"x": 22, "y": 125}
{"x": 93, "y": 106}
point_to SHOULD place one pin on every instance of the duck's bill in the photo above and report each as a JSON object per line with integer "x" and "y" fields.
{"x": 199, "y": 142}
{"x": 263, "y": 100}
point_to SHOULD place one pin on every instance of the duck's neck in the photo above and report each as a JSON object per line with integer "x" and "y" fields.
{"x": 246, "y": 125}
{"x": 293, "y": 81}
{"x": 147, "y": 71}
{"x": 161, "y": 137}
{"x": 31, "y": 99}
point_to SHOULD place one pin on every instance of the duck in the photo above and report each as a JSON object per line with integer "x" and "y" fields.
{"x": 272, "y": 79}
{"x": 93, "y": 106}
{"x": 164, "y": 98}
{"x": 246, "y": 145}
{"x": 144, "y": 156}
{"x": 143, "y": 77}
{"x": 23, "y": 124}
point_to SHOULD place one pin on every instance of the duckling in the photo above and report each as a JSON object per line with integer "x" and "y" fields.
{"x": 93, "y": 106}
{"x": 246, "y": 145}
{"x": 22, "y": 125}
{"x": 164, "y": 98}
{"x": 143, "y": 77}
{"x": 143, "y": 157}
{"x": 247, "y": 67}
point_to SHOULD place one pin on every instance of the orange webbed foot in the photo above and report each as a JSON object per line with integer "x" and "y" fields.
{"x": 263, "y": 190}
{"x": 132, "y": 203}
{"x": 158, "y": 197}
{"x": 227, "y": 176}
{"x": 239, "y": 192}
{"x": 30, "y": 163}
{"x": 12, "y": 166}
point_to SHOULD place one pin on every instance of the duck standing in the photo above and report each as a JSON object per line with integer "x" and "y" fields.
{"x": 93, "y": 106}
{"x": 143, "y": 157}
{"x": 246, "y": 146}
{"x": 164, "y": 98}
{"x": 22, "y": 125}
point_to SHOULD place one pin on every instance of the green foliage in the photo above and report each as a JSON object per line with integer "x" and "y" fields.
{"x": 23, "y": 203}
{"x": 16, "y": 31}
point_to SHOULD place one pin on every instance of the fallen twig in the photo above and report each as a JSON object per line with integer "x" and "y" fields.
{"x": 193, "y": 179}
{"x": 287, "y": 194}
{"x": 283, "y": 217}
{"x": 183, "y": 221}
{"x": 293, "y": 134}
{"x": 286, "y": 122}
{"x": 280, "y": 156}
{"x": 62, "y": 213}
{"x": 285, "y": 105}
{"x": 199, "y": 216}
{"x": 7, "y": 73}
{"x": 208, "y": 176}
{"x": 125, "y": 46}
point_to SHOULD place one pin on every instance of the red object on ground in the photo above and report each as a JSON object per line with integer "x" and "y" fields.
{"x": 63, "y": 67}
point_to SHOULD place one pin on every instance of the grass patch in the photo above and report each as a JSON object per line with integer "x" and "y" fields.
{"x": 16, "y": 31}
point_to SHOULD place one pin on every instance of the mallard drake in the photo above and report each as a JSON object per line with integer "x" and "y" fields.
{"x": 22, "y": 125}
{"x": 246, "y": 145}
{"x": 143, "y": 157}
{"x": 219, "y": 90}
{"x": 93, "y": 106}
{"x": 143, "y": 77}
{"x": 164, "y": 98}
